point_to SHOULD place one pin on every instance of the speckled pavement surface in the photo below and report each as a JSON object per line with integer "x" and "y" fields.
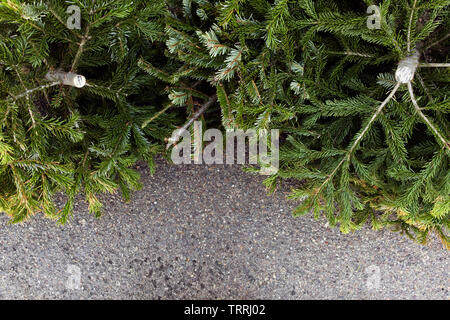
{"x": 211, "y": 232}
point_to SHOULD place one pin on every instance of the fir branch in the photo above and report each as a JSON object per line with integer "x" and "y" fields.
{"x": 30, "y": 91}
{"x": 174, "y": 139}
{"x": 437, "y": 42}
{"x": 408, "y": 40}
{"x": 157, "y": 115}
{"x": 63, "y": 23}
{"x": 434, "y": 65}
{"x": 359, "y": 138}
{"x": 83, "y": 42}
{"x": 351, "y": 53}
{"x": 427, "y": 121}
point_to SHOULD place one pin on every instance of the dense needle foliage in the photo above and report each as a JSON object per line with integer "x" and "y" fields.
{"x": 365, "y": 147}
{"x": 56, "y": 137}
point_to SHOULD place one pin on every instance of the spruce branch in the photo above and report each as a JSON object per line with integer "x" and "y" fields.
{"x": 359, "y": 138}
{"x": 351, "y": 53}
{"x": 437, "y": 42}
{"x": 64, "y": 24}
{"x": 33, "y": 121}
{"x": 30, "y": 91}
{"x": 157, "y": 115}
{"x": 77, "y": 58}
{"x": 408, "y": 41}
{"x": 176, "y": 136}
{"x": 427, "y": 121}
{"x": 434, "y": 65}
{"x": 425, "y": 88}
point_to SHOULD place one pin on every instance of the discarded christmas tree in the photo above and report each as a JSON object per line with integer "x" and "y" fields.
{"x": 366, "y": 128}
{"x": 72, "y": 101}
{"x": 373, "y": 137}
{"x": 359, "y": 90}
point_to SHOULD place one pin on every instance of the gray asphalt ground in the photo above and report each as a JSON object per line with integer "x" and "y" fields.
{"x": 211, "y": 232}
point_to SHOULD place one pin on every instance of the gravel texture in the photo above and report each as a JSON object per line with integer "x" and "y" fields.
{"x": 211, "y": 232}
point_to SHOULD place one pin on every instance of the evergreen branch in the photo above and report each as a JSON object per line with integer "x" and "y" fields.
{"x": 425, "y": 119}
{"x": 408, "y": 41}
{"x": 374, "y": 117}
{"x": 33, "y": 121}
{"x": 174, "y": 139}
{"x": 64, "y": 24}
{"x": 229, "y": 8}
{"x": 434, "y": 65}
{"x": 351, "y": 53}
{"x": 21, "y": 190}
{"x": 83, "y": 41}
{"x": 422, "y": 83}
{"x": 29, "y": 91}
{"x": 210, "y": 40}
{"x": 360, "y": 137}
{"x": 157, "y": 115}
{"x": 232, "y": 61}
{"x": 438, "y": 41}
